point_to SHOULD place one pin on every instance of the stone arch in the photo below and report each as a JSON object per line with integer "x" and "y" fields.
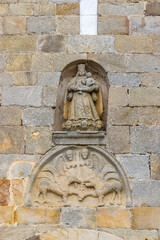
{"x": 67, "y": 74}
{"x": 54, "y": 156}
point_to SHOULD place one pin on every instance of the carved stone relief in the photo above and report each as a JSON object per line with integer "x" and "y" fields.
{"x": 78, "y": 176}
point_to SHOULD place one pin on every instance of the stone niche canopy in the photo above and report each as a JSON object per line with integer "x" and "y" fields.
{"x": 78, "y": 176}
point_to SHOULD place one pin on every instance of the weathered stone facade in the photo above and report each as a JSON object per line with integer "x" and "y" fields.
{"x": 38, "y": 39}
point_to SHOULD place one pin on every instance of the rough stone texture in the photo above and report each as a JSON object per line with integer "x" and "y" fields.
{"x": 145, "y": 139}
{"x": 20, "y": 9}
{"x": 2, "y": 63}
{"x": 24, "y": 78}
{"x": 155, "y": 166}
{"x": 14, "y": 25}
{"x": 121, "y": 9}
{"x": 124, "y": 79}
{"x": 49, "y": 96}
{"x": 4, "y": 192}
{"x": 5, "y": 79}
{"x": 3, "y": 9}
{"x": 103, "y": 236}
{"x": 118, "y": 139}
{"x": 89, "y": 44}
{"x": 19, "y": 62}
{"x": 42, "y": 24}
{"x": 19, "y": 170}
{"x": 10, "y": 116}
{"x": 18, "y": 191}
{"x": 52, "y": 43}
{"x": 79, "y": 217}
{"x": 144, "y": 97}
{"x": 44, "y": 9}
{"x": 118, "y": 96}
{"x": 146, "y": 192}
{"x": 6, "y": 215}
{"x": 149, "y": 116}
{"x": 1, "y": 25}
{"x": 15, "y": 44}
{"x": 150, "y": 79}
{"x": 24, "y": 215}
{"x": 122, "y": 116}
{"x": 67, "y": 9}
{"x": 152, "y": 9}
{"x": 156, "y": 43}
{"x": 41, "y": 62}
{"x": 65, "y": 25}
{"x": 11, "y": 139}
{"x": 113, "y": 217}
{"x": 133, "y": 44}
{"x": 22, "y": 96}
{"x": 16, "y": 232}
{"x": 38, "y": 139}
{"x": 137, "y": 166}
{"x": 49, "y": 79}
{"x": 148, "y": 25}
{"x": 38, "y": 116}
{"x": 113, "y": 25}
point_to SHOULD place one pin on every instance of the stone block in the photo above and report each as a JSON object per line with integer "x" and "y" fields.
{"x": 11, "y": 139}
{"x": 56, "y": 234}
{"x": 1, "y": 25}
{"x": 152, "y": 9}
{"x": 104, "y": 236}
{"x": 155, "y": 166}
{"x": 49, "y": 96}
{"x": 120, "y": 9}
{"x": 18, "y": 43}
{"x": 19, "y": 62}
{"x": 146, "y": 193}
{"x": 44, "y": 9}
{"x": 79, "y": 217}
{"x": 24, "y": 78}
{"x": 118, "y": 139}
{"x": 149, "y": 116}
{"x": 113, "y": 25}
{"x": 20, "y": 9}
{"x": 114, "y": 217}
{"x": 133, "y": 44}
{"x": 118, "y": 96}
{"x": 8, "y": 1}
{"x": 4, "y": 192}
{"x": 16, "y": 232}
{"x": 156, "y": 43}
{"x": 6, "y": 79}
{"x": 110, "y": 62}
{"x": 17, "y": 191}
{"x": 150, "y": 79}
{"x": 19, "y": 170}
{"x": 40, "y": 62}
{"x": 122, "y": 116}
{"x": 59, "y": 61}
{"x": 37, "y": 116}
{"x": 10, "y": 116}
{"x": 42, "y": 24}
{"x": 2, "y": 63}
{"x": 52, "y": 43}
{"x": 146, "y": 218}
{"x": 24, "y": 215}
{"x": 129, "y": 234}
{"x": 148, "y": 25}
{"x": 67, "y": 9}
{"x": 14, "y": 25}
{"x": 141, "y": 63}
{"x": 124, "y": 79}
{"x": 3, "y": 9}
{"x": 145, "y": 139}
{"x": 84, "y": 234}
{"x": 65, "y": 25}
{"x": 137, "y": 166}
{"x": 90, "y": 44}
{"x": 49, "y": 79}
{"x": 144, "y": 97}
{"x": 22, "y": 96}
{"x": 6, "y": 214}
{"x": 38, "y": 140}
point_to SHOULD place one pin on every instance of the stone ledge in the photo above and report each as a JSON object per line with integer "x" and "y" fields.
{"x": 80, "y": 138}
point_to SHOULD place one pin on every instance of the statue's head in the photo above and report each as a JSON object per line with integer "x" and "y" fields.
{"x": 84, "y": 125}
{"x": 99, "y": 124}
{"x": 81, "y": 70}
{"x": 69, "y": 154}
{"x": 84, "y": 153}
{"x": 89, "y": 74}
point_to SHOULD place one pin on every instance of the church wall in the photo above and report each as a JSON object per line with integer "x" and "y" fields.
{"x": 38, "y": 39}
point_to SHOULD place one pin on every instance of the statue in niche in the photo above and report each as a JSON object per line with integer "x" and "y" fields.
{"x": 78, "y": 172}
{"x": 83, "y": 105}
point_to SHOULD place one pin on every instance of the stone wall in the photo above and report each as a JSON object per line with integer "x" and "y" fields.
{"x": 38, "y": 38}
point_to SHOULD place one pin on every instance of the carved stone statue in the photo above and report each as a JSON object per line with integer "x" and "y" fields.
{"x": 83, "y": 105}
